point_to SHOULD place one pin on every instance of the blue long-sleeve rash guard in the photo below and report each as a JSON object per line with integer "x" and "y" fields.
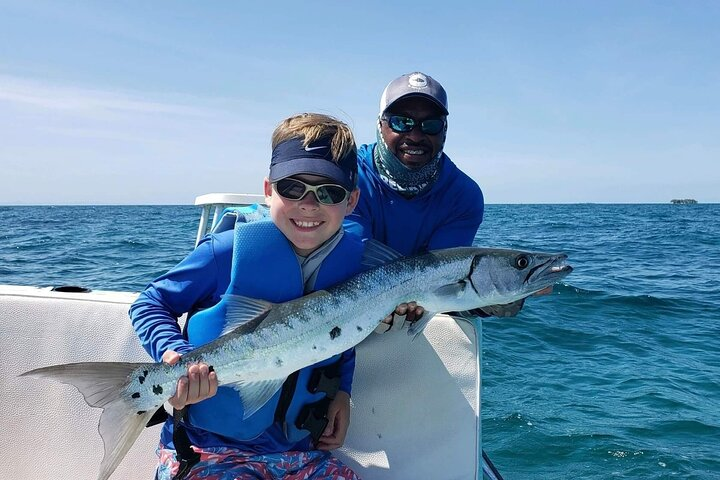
{"x": 196, "y": 283}
{"x": 447, "y": 215}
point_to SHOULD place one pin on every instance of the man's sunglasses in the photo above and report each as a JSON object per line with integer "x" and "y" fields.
{"x": 293, "y": 189}
{"x": 402, "y": 124}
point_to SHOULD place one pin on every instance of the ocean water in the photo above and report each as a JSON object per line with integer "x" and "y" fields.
{"x": 616, "y": 374}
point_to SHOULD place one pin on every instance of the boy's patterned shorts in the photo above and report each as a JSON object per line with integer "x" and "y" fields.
{"x": 221, "y": 463}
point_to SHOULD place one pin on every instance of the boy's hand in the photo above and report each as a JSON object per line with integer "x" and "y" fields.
{"x": 405, "y": 312}
{"x": 199, "y": 383}
{"x": 338, "y": 422}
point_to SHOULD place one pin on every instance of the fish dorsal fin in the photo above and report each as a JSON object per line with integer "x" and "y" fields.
{"x": 254, "y": 395}
{"x": 377, "y": 253}
{"x": 244, "y": 312}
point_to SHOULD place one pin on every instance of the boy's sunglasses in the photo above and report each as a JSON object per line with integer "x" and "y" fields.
{"x": 402, "y": 124}
{"x": 293, "y": 189}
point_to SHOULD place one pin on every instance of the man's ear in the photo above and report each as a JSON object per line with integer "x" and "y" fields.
{"x": 352, "y": 201}
{"x": 267, "y": 187}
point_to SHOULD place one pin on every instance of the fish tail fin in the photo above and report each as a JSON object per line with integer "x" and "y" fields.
{"x": 120, "y": 426}
{"x": 101, "y": 384}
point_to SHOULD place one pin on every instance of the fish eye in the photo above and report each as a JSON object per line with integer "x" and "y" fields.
{"x": 521, "y": 262}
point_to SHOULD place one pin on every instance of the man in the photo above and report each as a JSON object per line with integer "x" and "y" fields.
{"x": 413, "y": 197}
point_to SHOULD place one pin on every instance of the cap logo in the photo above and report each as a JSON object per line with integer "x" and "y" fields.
{"x": 417, "y": 80}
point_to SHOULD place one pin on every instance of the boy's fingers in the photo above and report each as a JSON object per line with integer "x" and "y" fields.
{"x": 193, "y": 383}
{"x": 328, "y": 442}
{"x": 199, "y": 384}
{"x": 212, "y": 378}
{"x": 178, "y": 401}
{"x": 170, "y": 357}
{"x": 203, "y": 381}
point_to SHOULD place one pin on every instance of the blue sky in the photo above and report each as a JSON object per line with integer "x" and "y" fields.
{"x": 158, "y": 102}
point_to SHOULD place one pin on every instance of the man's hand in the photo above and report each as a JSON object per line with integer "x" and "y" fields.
{"x": 199, "y": 383}
{"x": 338, "y": 422}
{"x": 405, "y": 312}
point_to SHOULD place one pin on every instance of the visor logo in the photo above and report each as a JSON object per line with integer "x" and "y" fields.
{"x": 308, "y": 148}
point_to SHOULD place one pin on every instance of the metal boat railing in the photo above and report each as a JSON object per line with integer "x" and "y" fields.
{"x": 217, "y": 202}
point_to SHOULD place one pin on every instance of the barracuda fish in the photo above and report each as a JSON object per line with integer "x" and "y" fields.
{"x": 263, "y": 343}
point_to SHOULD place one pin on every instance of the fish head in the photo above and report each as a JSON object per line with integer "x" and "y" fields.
{"x": 509, "y": 275}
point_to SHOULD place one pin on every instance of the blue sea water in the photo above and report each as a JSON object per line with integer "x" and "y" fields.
{"x": 616, "y": 374}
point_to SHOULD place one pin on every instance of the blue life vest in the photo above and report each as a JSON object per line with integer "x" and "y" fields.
{"x": 264, "y": 266}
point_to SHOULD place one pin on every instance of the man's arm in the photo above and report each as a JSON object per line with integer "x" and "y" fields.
{"x": 463, "y": 217}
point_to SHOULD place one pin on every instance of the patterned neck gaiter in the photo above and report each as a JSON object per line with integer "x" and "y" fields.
{"x": 409, "y": 182}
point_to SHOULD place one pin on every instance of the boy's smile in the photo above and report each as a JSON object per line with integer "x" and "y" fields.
{"x": 307, "y": 223}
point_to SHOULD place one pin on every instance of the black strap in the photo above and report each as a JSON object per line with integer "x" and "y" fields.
{"x": 313, "y": 418}
{"x": 325, "y": 379}
{"x": 158, "y": 417}
{"x": 286, "y": 395}
{"x": 184, "y": 453}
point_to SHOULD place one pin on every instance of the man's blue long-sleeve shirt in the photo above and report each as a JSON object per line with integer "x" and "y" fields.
{"x": 447, "y": 215}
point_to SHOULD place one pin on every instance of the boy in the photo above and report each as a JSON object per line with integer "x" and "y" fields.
{"x": 311, "y": 187}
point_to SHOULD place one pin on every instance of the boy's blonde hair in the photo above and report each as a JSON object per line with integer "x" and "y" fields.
{"x": 313, "y": 126}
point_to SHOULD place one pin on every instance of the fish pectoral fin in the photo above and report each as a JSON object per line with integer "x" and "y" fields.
{"x": 453, "y": 290}
{"x": 256, "y": 394}
{"x": 244, "y": 311}
{"x": 377, "y": 254}
{"x": 417, "y": 327}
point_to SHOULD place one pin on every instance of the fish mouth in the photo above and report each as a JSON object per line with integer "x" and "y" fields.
{"x": 552, "y": 270}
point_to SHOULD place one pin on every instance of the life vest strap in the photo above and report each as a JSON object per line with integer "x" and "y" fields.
{"x": 158, "y": 417}
{"x": 313, "y": 418}
{"x": 184, "y": 453}
{"x": 325, "y": 380}
{"x": 286, "y": 396}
